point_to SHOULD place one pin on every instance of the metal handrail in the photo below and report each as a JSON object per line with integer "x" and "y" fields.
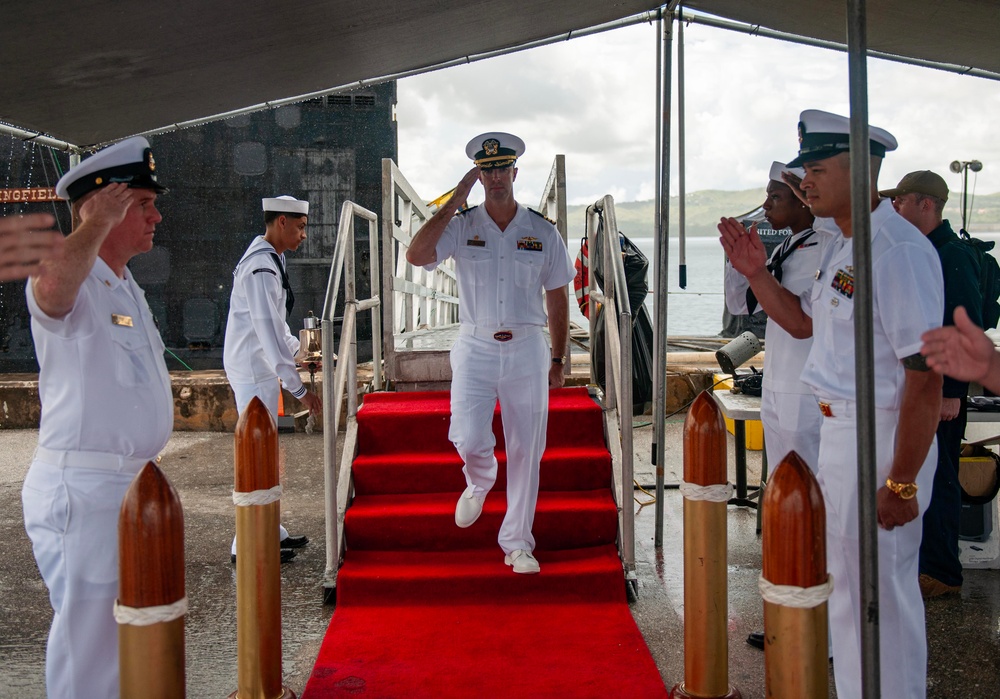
{"x": 617, "y": 404}
{"x": 412, "y": 296}
{"x": 344, "y": 378}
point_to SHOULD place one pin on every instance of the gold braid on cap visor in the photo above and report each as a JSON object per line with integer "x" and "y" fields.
{"x": 495, "y": 161}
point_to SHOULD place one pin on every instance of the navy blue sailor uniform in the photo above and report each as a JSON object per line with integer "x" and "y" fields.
{"x": 501, "y": 352}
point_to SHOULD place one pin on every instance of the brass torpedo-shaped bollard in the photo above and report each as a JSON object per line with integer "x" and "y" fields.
{"x": 706, "y": 589}
{"x": 151, "y": 602}
{"x": 795, "y": 633}
{"x": 258, "y": 557}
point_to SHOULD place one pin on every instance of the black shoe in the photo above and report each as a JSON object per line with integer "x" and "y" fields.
{"x": 286, "y": 556}
{"x": 756, "y": 639}
{"x": 294, "y": 542}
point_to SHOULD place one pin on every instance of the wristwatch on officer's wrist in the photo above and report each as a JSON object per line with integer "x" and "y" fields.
{"x": 906, "y": 491}
{"x": 559, "y": 360}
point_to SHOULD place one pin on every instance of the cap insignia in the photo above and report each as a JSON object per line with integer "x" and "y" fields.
{"x": 491, "y": 146}
{"x": 802, "y": 132}
{"x": 149, "y": 160}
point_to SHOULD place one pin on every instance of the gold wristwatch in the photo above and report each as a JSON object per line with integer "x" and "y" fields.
{"x": 906, "y": 491}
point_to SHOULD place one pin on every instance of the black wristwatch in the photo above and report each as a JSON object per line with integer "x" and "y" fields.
{"x": 559, "y": 360}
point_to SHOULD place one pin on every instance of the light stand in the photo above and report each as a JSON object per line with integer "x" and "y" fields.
{"x": 963, "y": 166}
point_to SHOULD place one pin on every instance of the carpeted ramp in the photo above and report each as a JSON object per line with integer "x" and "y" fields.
{"x": 425, "y": 609}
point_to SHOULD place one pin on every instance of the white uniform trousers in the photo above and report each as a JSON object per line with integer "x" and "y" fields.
{"x": 516, "y": 373}
{"x": 902, "y": 639}
{"x": 791, "y": 423}
{"x": 268, "y": 392}
{"x": 71, "y": 516}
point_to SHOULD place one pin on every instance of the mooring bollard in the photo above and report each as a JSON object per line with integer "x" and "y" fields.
{"x": 257, "y": 495}
{"x": 151, "y": 603}
{"x": 795, "y": 584}
{"x": 706, "y": 590}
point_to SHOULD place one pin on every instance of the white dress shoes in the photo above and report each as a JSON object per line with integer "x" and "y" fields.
{"x": 522, "y": 561}
{"x": 469, "y": 508}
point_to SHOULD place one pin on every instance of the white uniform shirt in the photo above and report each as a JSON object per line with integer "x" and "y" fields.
{"x": 785, "y": 356}
{"x": 259, "y": 345}
{"x": 907, "y": 300}
{"x": 500, "y": 272}
{"x": 103, "y": 383}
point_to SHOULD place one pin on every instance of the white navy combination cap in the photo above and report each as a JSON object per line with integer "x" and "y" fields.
{"x": 286, "y": 205}
{"x": 129, "y": 161}
{"x": 778, "y": 168}
{"x": 823, "y": 135}
{"x": 494, "y": 149}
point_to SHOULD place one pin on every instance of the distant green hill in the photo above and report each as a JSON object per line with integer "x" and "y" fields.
{"x": 705, "y": 208}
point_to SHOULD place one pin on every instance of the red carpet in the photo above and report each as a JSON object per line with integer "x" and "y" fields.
{"x": 425, "y": 609}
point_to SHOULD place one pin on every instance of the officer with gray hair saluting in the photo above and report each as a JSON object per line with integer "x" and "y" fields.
{"x": 107, "y": 408}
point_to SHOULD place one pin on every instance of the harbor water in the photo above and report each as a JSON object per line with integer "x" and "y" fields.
{"x": 697, "y": 309}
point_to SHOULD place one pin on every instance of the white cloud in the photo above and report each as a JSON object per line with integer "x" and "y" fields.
{"x": 592, "y": 99}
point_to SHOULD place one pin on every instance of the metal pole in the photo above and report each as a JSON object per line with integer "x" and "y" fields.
{"x": 660, "y": 262}
{"x": 681, "y": 175}
{"x": 965, "y": 194}
{"x": 861, "y": 205}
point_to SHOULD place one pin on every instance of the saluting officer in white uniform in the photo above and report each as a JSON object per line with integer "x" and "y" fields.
{"x": 107, "y": 408}
{"x": 907, "y": 300}
{"x": 505, "y": 256}
{"x": 259, "y": 347}
{"x": 788, "y": 410}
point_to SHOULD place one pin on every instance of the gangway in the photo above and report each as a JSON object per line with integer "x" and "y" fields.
{"x": 419, "y": 324}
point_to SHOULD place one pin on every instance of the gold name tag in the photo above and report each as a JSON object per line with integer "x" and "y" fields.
{"x": 121, "y": 320}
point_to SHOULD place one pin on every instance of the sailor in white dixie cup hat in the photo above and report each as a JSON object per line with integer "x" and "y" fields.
{"x": 907, "y": 300}
{"x": 107, "y": 408}
{"x": 259, "y": 347}
{"x": 788, "y": 410}
{"x": 505, "y": 256}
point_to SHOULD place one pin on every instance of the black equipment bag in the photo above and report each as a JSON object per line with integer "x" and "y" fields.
{"x": 636, "y": 266}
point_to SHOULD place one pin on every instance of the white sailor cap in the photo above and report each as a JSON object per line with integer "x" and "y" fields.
{"x": 494, "y": 149}
{"x": 823, "y": 135}
{"x": 129, "y": 161}
{"x": 286, "y": 205}
{"x": 778, "y": 168}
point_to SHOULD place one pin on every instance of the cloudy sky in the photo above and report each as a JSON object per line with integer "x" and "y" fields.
{"x": 592, "y": 99}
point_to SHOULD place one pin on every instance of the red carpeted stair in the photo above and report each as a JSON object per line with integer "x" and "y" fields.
{"x": 425, "y": 609}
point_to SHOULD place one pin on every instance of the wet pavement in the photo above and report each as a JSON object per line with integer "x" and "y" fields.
{"x": 964, "y": 631}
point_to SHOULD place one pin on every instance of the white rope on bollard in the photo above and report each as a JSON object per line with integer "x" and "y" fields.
{"x": 795, "y": 597}
{"x": 147, "y": 616}
{"x": 712, "y": 493}
{"x": 257, "y": 497}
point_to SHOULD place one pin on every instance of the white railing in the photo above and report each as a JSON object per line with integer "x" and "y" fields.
{"x": 413, "y": 297}
{"x": 617, "y": 403}
{"x": 343, "y": 380}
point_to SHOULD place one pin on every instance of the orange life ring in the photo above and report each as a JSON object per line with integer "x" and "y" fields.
{"x": 581, "y": 282}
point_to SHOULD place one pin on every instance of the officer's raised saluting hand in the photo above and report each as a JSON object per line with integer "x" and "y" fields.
{"x": 108, "y": 205}
{"x": 465, "y": 186}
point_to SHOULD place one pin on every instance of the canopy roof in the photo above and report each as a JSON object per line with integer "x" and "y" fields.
{"x": 89, "y": 72}
{"x": 959, "y": 32}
